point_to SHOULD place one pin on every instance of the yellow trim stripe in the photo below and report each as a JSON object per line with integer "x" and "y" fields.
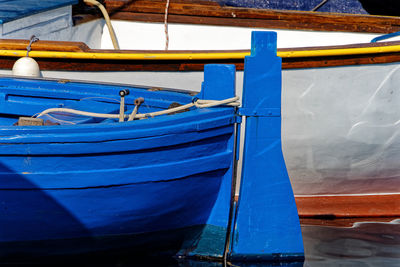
{"x": 197, "y": 55}
{"x": 125, "y": 56}
{"x": 341, "y": 51}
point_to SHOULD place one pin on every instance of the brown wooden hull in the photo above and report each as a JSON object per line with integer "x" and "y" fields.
{"x": 340, "y": 206}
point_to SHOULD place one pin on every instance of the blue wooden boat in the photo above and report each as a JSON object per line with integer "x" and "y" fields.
{"x": 77, "y": 177}
{"x": 97, "y": 178}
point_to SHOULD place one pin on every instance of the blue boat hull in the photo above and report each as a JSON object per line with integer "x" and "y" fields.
{"x": 90, "y": 187}
{"x": 38, "y": 214}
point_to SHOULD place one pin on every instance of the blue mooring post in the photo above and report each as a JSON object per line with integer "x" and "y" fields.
{"x": 267, "y": 224}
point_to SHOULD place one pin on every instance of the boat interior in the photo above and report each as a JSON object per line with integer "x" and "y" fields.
{"x": 60, "y": 102}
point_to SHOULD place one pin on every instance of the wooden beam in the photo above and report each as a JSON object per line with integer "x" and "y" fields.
{"x": 206, "y": 12}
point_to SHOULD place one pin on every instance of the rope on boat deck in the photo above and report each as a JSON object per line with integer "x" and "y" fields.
{"x": 199, "y": 103}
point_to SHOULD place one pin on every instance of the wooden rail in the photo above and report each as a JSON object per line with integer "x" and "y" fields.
{"x": 210, "y": 13}
{"x": 183, "y": 64}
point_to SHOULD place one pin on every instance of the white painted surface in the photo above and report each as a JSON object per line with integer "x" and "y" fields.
{"x": 54, "y": 25}
{"x": 57, "y": 25}
{"x": 147, "y": 36}
{"x": 48, "y": 24}
{"x": 89, "y": 33}
{"x": 341, "y": 129}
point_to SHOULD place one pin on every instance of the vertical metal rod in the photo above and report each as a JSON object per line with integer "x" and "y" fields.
{"x": 232, "y": 201}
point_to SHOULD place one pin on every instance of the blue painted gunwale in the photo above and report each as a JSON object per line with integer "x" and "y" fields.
{"x": 107, "y": 179}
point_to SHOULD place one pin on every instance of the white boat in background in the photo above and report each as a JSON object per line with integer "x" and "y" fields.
{"x": 192, "y": 26}
{"x": 340, "y": 95}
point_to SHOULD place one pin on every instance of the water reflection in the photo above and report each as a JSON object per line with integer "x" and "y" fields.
{"x": 350, "y": 242}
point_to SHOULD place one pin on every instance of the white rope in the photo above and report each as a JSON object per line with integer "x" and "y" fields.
{"x": 100, "y": 98}
{"x": 166, "y": 25}
{"x": 164, "y": 112}
{"x": 59, "y": 120}
{"x": 198, "y": 103}
{"x": 211, "y": 103}
{"x": 79, "y": 112}
{"x": 107, "y": 19}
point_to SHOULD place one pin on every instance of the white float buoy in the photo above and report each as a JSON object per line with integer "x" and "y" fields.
{"x": 26, "y": 66}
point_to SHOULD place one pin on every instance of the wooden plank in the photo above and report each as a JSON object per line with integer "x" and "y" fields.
{"x": 16, "y": 44}
{"x": 349, "y": 206}
{"x": 182, "y": 65}
{"x": 196, "y": 65}
{"x": 272, "y": 23}
{"x": 205, "y": 12}
{"x": 343, "y": 222}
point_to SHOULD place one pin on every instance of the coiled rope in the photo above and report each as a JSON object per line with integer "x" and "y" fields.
{"x": 199, "y": 103}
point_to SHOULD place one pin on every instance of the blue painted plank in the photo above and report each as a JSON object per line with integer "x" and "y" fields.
{"x": 15, "y": 9}
{"x": 41, "y": 214}
{"x": 219, "y": 83}
{"x": 267, "y": 225}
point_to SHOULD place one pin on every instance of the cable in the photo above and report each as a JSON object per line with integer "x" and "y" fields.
{"x": 107, "y": 19}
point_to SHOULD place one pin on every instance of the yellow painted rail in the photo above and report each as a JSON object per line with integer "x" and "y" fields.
{"x": 197, "y": 55}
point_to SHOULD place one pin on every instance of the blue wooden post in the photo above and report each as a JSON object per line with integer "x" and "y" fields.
{"x": 219, "y": 84}
{"x": 267, "y": 225}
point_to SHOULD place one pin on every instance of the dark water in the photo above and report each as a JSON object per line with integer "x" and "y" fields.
{"x": 362, "y": 242}
{"x": 352, "y": 243}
